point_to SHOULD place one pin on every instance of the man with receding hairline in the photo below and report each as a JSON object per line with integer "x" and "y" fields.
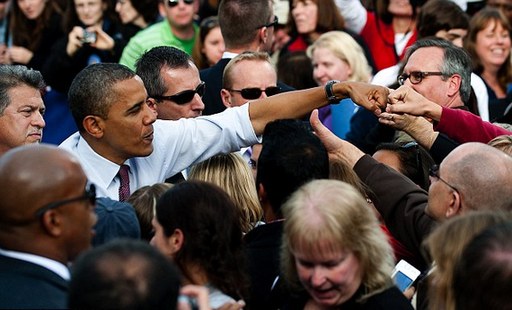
{"x": 21, "y": 106}
{"x": 46, "y": 220}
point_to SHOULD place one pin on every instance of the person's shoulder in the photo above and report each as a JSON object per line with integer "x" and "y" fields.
{"x": 390, "y": 298}
{"x": 143, "y": 34}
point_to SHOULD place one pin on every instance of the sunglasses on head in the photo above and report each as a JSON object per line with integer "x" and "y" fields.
{"x": 254, "y": 93}
{"x": 173, "y": 3}
{"x": 89, "y": 194}
{"x": 185, "y": 96}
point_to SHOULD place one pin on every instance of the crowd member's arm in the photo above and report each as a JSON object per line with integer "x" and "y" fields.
{"x": 354, "y": 14}
{"x": 400, "y": 202}
{"x": 418, "y": 128}
{"x": 460, "y": 125}
{"x": 296, "y": 104}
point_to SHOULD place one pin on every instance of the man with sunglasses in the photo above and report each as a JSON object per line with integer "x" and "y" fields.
{"x": 246, "y": 25}
{"x": 172, "y": 79}
{"x": 248, "y": 76}
{"x": 46, "y": 221}
{"x": 122, "y": 146}
{"x": 177, "y": 29}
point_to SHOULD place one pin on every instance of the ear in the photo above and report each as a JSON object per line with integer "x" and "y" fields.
{"x": 263, "y": 36}
{"x": 226, "y": 98}
{"x": 52, "y": 223}
{"x": 454, "y": 206}
{"x": 176, "y": 241}
{"x": 93, "y": 125}
{"x": 161, "y": 9}
{"x": 454, "y": 86}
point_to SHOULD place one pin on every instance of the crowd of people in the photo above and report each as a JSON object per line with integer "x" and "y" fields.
{"x": 255, "y": 154}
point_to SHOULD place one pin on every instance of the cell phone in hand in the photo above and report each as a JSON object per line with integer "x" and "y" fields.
{"x": 404, "y": 275}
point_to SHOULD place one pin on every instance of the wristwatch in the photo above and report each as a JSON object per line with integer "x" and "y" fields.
{"x": 329, "y": 93}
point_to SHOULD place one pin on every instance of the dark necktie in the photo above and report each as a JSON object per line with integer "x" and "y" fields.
{"x": 124, "y": 187}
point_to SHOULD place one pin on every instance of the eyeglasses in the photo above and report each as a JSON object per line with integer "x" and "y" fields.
{"x": 173, "y": 3}
{"x": 273, "y": 23}
{"x": 185, "y": 96}
{"x": 254, "y": 93}
{"x": 416, "y": 76}
{"x": 434, "y": 173}
{"x": 89, "y": 194}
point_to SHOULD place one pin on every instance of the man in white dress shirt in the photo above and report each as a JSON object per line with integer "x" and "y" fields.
{"x": 117, "y": 126}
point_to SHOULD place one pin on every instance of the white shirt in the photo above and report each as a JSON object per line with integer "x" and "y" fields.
{"x": 176, "y": 146}
{"x": 50, "y": 264}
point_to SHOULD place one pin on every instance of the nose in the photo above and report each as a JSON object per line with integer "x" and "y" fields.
{"x": 317, "y": 277}
{"x": 38, "y": 120}
{"x": 197, "y": 103}
{"x": 150, "y": 115}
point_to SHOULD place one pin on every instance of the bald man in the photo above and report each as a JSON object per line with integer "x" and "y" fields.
{"x": 46, "y": 220}
{"x": 474, "y": 176}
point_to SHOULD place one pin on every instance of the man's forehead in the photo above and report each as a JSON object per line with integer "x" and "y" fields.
{"x": 419, "y": 60}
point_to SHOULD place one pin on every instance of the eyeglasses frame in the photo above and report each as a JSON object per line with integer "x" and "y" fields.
{"x": 182, "y": 93}
{"x": 423, "y": 74}
{"x": 89, "y": 194}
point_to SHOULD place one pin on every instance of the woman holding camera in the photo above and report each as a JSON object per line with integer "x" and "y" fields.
{"x": 93, "y": 36}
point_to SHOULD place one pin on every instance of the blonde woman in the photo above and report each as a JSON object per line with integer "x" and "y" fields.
{"x": 334, "y": 254}
{"x": 233, "y": 174}
{"x": 335, "y": 55}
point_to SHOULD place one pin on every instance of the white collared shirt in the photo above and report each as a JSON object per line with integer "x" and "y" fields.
{"x": 176, "y": 146}
{"x": 50, "y": 264}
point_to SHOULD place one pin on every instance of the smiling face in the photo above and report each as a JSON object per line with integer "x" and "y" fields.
{"x": 90, "y": 12}
{"x": 305, "y": 15}
{"x": 327, "y": 66}
{"x": 330, "y": 277}
{"x": 22, "y": 120}
{"x": 128, "y": 129}
{"x": 493, "y": 45}
{"x": 32, "y": 9}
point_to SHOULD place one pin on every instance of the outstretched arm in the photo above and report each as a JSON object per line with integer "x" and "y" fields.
{"x": 296, "y": 104}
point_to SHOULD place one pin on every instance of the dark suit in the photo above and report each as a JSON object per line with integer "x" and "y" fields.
{"x": 27, "y": 285}
{"x": 213, "y": 78}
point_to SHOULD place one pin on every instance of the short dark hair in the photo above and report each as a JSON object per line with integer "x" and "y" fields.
{"x": 149, "y": 65}
{"x": 239, "y": 20}
{"x": 123, "y": 274}
{"x": 291, "y": 156}
{"x": 91, "y": 92}
{"x": 12, "y": 76}
{"x": 210, "y": 223}
{"x": 488, "y": 256}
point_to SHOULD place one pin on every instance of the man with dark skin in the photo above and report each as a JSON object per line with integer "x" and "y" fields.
{"x": 46, "y": 220}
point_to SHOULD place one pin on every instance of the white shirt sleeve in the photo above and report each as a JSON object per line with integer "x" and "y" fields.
{"x": 354, "y": 14}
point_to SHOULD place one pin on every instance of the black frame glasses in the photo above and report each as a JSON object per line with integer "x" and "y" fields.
{"x": 434, "y": 173}
{"x": 252, "y": 93}
{"x": 89, "y": 194}
{"x": 273, "y": 23}
{"x": 173, "y": 3}
{"x": 416, "y": 76}
{"x": 185, "y": 96}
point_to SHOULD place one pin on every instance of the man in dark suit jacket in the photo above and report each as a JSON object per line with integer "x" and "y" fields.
{"x": 246, "y": 25}
{"x": 46, "y": 220}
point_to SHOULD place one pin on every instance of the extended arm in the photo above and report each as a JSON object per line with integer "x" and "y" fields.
{"x": 296, "y": 104}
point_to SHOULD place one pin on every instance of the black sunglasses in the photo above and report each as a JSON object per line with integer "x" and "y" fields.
{"x": 89, "y": 194}
{"x": 434, "y": 173}
{"x": 185, "y": 96}
{"x": 254, "y": 93}
{"x": 273, "y": 23}
{"x": 173, "y": 3}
